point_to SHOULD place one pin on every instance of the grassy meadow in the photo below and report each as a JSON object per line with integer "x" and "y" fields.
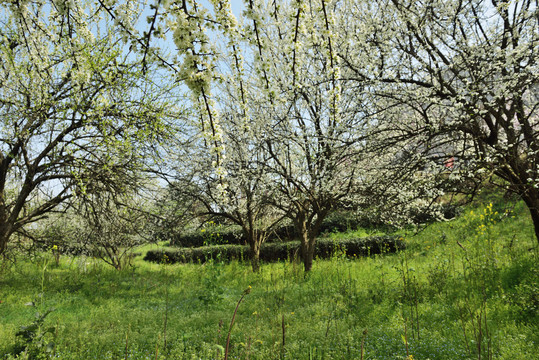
{"x": 463, "y": 289}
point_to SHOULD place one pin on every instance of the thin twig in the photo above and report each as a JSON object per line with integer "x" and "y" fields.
{"x": 284, "y": 335}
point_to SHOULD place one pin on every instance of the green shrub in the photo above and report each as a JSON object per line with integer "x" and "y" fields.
{"x": 209, "y": 235}
{"x": 339, "y": 221}
{"x": 270, "y": 252}
{"x": 230, "y": 235}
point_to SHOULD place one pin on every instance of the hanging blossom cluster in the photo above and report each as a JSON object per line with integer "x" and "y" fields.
{"x": 332, "y": 60}
{"x": 313, "y": 26}
{"x": 194, "y": 47}
{"x": 232, "y": 32}
{"x": 197, "y": 69}
{"x": 297, "y": 45}
{"x": 256, "y": 26}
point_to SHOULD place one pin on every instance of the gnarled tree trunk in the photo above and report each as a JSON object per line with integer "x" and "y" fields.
{"x": 307, "y": 250}
{"x": 531, "y": 199}
{"x": 254, "y": 240}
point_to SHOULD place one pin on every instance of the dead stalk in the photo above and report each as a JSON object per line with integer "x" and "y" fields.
{"x": 363, "y": 343}
{"x": 284, "y": 335}
{"x": 245, "y": 292}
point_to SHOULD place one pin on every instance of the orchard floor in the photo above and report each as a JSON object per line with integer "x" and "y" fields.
{"x": 463, "y": 289}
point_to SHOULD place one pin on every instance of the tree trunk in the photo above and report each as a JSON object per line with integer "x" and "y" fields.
{"x": 255, "y": 255}
{"x": 533, "y": 206}
{"x": 307, "y": 250}
{"x": 3, "y": 242}
{"x": 5, "y": 233}
{"x": 519, "y": 185}
{"x": 535, "y": 219}
{"x": 254, "y": 240}
{"x": 308, "y": 233}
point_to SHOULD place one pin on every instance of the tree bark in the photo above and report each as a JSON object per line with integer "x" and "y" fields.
{"x": 309, "y": 231}
{"x": 255, "y": 255}
{"x": 532, "y": 202}
{"x": 254, "y": 239}
{"x": 535, "y": 218}
{"x": 5, "y": 233}
{"x": 3, "y": 240}
{"x": 307, "y": 250}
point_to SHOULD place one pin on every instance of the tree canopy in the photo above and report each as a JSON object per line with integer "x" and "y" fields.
{"x": 458, "y": 80}
{"x": 301, "y": 104}
{"x": 77, "y": 114}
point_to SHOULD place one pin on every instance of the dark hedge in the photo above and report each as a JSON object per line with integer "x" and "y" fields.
{"x": 270, "y": 252}
{"x": 232, "y": 235}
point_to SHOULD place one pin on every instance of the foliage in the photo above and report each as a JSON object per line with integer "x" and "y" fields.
{"x": 104, "y": 228}
{"x": 35, "y": 339}
{"x": 112, "y": 228}
{"x": 209, "y": 235}
{"x": 523, "y": 291}
{"x": 338, "y": 221}
{"x": 173, "y": 216}
{"x": 59, "y": 234}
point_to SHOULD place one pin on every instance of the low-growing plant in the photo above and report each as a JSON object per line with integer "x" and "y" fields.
{"x": 209, "y": 234}
{"x": 36, "y": 341}
{"x": 212, "y": 289}
{"x": 521, "y": 290}
{"x": 480, "y": 271}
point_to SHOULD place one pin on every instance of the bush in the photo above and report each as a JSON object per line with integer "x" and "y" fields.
{"x": 341, "y": 221}
{"x": 435, "y": 212}
{"x": 108, "y": 232}
{"x": 226, "y": 234}
{"x": 271, "y": 252}
{"x": 212, "y": 234}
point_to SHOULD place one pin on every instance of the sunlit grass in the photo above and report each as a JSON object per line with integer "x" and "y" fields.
{"x": 100, "y": 312}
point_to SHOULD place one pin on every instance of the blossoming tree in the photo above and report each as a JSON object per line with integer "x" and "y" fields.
{"x": 456, "y": 79}
{"x": 283, "y": 131}
{"x": 317, "y": 127}
{"x": 236, "y": 191}
{"x": 77, "y": 114}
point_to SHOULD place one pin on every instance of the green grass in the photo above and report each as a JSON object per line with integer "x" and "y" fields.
{"x": 451, "y": 274}
{"x": 354, "y": 234}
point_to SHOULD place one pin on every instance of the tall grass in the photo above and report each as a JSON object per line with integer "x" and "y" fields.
{"x": 464, "y": 289}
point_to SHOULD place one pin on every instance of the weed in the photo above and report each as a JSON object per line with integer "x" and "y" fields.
{"x": 36, "y": 340}
{"x": 212, "y": 289}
